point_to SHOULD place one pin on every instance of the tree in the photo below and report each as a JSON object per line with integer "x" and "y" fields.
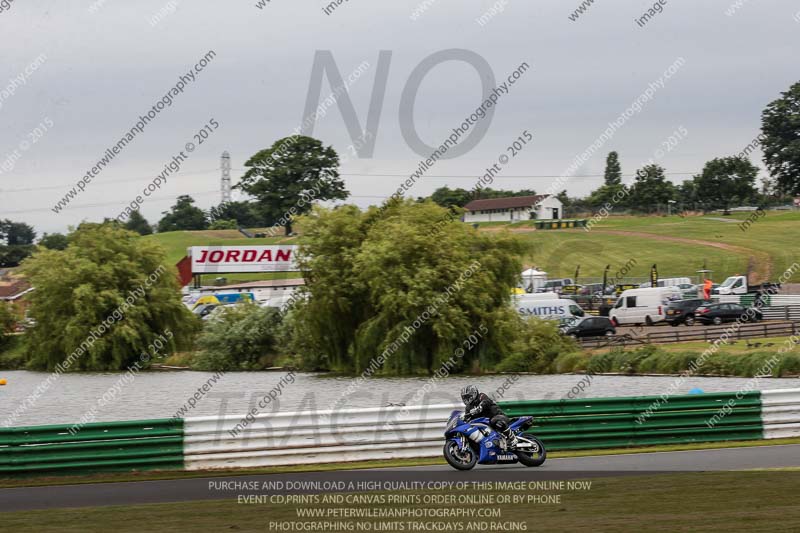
{"x": 101, "y": 302}
{"x": 290, "y": 175}
{"x": 224, "y": 224}
{"x": 688, "y": 196}
{"x": 780, "y": 127}
{"x": 17, "y": 233}
{"x": 613, "y": 173}
{"x": 241, "y": 337}
{"x": 7, "y": 321}
{"x": 184, "y": 216}
{"x": 612, "y": 192}
{"x": 650, "y": 189}
{"x": 18, "y": 238}
{"x": 380, "y": 284}
{"x": 12, "y": 256}
{"x": 726, "y": 181}
{"x": 246, "y": 214}
{"x": 536, "y": 347}
{"x": 54, "y": 241}
{"x": 136, "y": 222}
{"x": 447, "y": 197}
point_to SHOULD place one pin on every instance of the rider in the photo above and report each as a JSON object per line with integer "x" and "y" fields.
{"x": 479, "y": 405}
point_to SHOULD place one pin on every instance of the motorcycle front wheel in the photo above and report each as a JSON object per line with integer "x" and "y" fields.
{"x": 536, "y": 456}
{"x": 460, "y": 460}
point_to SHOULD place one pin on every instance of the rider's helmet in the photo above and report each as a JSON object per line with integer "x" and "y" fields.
{"x": 469, "y": 394}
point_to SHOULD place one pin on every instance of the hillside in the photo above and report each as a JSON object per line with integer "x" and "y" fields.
{"x": 678, "y": 245}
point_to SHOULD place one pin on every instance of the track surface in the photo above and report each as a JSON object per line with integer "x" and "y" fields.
{"x": 197, "y": 489}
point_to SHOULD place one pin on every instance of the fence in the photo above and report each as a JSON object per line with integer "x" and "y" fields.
{"x": 699, "y": 333}
{"x": 316, "y": 437}
{"x": 137, "y": 444}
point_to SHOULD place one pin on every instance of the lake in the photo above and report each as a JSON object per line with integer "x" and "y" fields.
{"x": 161, "y": 394}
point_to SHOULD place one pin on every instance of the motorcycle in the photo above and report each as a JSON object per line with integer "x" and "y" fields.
{"x": 474, "y": 442}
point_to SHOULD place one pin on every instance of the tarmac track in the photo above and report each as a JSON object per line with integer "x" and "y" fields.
{"x": 229, "y": 486}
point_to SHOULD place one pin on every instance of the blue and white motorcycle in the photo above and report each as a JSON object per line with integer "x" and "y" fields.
{"x": 475, "y": 442}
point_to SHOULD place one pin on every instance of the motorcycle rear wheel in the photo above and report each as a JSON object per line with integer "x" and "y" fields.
{"x": 535, "y": 458}
{"x": 456, "y": 459}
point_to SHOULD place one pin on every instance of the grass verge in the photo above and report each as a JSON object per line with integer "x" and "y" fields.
{"x": 723, "y": 501}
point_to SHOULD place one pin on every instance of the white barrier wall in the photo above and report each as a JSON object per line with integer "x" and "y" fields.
{"x": 309, "y": 437}
{"x": 780, "y": 413}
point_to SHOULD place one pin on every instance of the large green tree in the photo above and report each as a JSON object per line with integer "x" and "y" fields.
{"x": 651, "y": 190}
{"x": 184, "y": 216}
{"x": 99, "y": 303}
{"x": 381, "y": 282}
{"x": 289, "y": 176}
{"x": 726, "y": 181}
{"x": 780, "y": 126}
{"x": 136, "y": 222}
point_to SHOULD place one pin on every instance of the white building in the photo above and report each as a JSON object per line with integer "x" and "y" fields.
{"x": 514, "y": 209}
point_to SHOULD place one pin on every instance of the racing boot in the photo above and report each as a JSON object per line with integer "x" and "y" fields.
{"x": 511, "y": 439}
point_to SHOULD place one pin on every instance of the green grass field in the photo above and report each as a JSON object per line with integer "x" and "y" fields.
{"x": 772, "y": 239}
{"x": 678, "y": 245}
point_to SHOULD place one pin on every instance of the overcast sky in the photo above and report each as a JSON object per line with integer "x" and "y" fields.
{"x": 103, "y": 68}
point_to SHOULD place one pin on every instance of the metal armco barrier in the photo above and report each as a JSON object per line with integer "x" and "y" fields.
{"x": 697, "y": 333}
{"x": 102, "y": 446}
{"x": 316, "y": 437}
{"x": 622, "y": 422}
{"x": 780, "y": 413}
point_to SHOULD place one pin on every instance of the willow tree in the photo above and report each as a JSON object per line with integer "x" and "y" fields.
{"x": 390, "y": 291}
{"x": 103, "y": 301}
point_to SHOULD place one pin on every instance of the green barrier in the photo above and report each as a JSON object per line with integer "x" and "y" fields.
{"x": 94, "y": 447}
{"x": 586, "y": 423}
{"x": 619, "y": 422}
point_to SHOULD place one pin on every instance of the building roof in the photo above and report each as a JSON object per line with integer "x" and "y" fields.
{"x": 505, "y": 203}
{"x": 11, "y": 289}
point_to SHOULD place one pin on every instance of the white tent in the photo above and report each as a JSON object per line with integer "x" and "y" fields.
{"x": 533, "y": 279}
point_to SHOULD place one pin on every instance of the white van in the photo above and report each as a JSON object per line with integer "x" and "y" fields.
{"x": 643, "y": 306}
{"x": 668, "y": 282}
{"x": 529, "y": 305}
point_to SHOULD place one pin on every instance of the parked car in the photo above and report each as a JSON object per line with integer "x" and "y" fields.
{"x": 592, "y": 289}
{"x": 719, "y": 313}
{"x": 554, "y": 285}
{"x": 683, "y": 311}
{"x": 593, "y": 326}
{"x": 203, "y": 310}
{"x": 643, "y": 306}
{"x": 689, "y": 290}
